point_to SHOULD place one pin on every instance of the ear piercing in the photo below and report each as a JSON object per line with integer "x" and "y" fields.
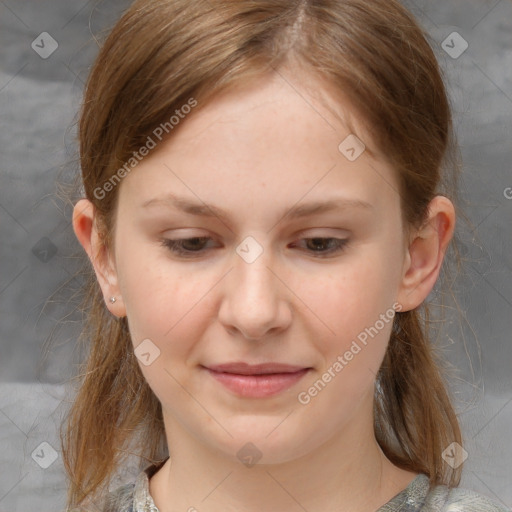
{"x": 112, "y": 299}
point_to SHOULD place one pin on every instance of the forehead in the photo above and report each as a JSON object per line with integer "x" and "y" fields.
{"x": 269, "y": 142}
{"x": 258, "y": 111}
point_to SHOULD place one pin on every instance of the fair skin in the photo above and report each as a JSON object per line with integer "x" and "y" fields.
{"x": 257, "y": 152}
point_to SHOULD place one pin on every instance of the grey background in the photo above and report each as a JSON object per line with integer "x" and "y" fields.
{"x": 39, "y": 101}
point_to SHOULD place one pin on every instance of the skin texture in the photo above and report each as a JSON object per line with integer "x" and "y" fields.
{"x": 256, "y": 152}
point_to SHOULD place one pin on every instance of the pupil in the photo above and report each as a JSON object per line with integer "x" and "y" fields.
{"x": 194, "y": 242}
{"x": 318, "y": 242}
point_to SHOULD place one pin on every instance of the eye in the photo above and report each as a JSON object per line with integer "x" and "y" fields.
{"x": 186, "y": 247}
{"x": 193, "y": 247}
{"x": 321, "y": 246}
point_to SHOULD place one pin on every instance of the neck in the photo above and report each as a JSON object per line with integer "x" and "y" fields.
{"x": 347, "y": 472}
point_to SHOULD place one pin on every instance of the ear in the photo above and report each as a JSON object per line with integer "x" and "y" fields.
{"x": 85, "y": 227}
{"x": 425, "y": 253}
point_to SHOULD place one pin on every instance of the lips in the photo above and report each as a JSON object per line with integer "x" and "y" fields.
{"x": 256, "y": 381}
{"x": 241, "y": 368}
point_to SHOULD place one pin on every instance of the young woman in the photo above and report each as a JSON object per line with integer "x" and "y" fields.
{"x": 265, "y": 216}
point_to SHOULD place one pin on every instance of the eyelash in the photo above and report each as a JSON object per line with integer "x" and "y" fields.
{"x": 175, "y": 246}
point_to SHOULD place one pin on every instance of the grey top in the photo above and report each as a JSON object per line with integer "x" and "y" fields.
{"x": 416, "y": 497}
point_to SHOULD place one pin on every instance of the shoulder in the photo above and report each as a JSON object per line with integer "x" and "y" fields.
{"x": 457, "y": 499}
{"x": 420, "y": 496}
{"x": 134, "y": 497}
{"x": 121, "y": 500}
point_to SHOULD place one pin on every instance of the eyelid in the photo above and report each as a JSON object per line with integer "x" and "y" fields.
{"x": 174, "y": 246}
{"x": 322, "y": 233}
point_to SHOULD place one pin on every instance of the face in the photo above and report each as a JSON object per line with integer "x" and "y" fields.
{"x": 264, "y": 277}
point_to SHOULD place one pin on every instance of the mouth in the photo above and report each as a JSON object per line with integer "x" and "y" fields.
{"x": 241, "y": 368}
{"x": 257, "y": 381}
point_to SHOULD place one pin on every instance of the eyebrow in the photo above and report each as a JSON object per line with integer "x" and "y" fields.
{"x": 302, "y": 210}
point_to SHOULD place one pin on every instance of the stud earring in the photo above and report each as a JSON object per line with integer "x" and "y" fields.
{"x": 112, "y": 299}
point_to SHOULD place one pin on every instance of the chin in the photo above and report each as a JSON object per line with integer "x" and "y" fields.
{"x": 261, "y": 444}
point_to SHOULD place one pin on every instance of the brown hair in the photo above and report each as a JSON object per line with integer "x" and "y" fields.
{"x": 162, "y": 53}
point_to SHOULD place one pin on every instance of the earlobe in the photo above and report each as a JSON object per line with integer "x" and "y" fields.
{"x": 85, "y": 229}
{"x": 426, "y": 253}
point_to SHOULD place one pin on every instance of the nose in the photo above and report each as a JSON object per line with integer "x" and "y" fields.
{"x": 255, "y": 301}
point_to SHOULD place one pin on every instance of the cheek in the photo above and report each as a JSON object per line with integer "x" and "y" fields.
{"x": 171, "y": 304}
{"x": 359, "y": 309}
{"x": 159, "y": 304}
{"x": 146, "y": 286}
{"x": 356, "y": 293}
{"x": 355, "y": 307}
{"x": 166, "y": 314}
{"x": 166, "y": 302}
